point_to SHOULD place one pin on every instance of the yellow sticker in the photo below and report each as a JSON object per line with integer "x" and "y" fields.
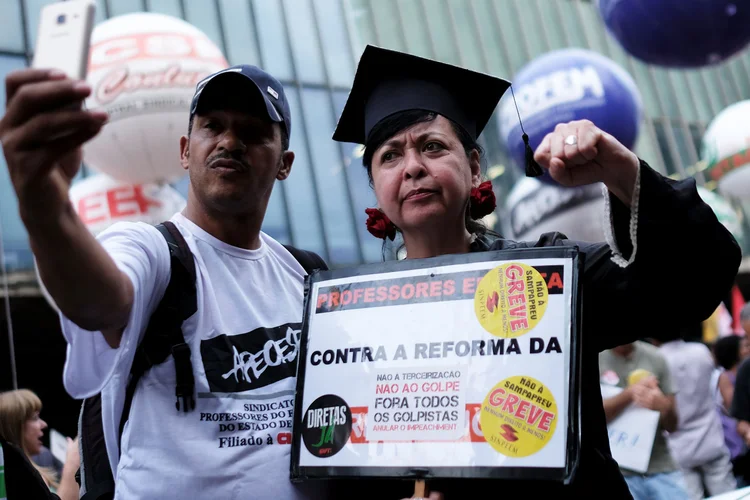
{"x": 510, "y": 300}
{"x": 638, "y": 375}
{"x": 518, "y": 416}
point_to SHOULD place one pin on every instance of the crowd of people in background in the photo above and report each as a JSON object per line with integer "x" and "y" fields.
{"x": 702, "y": 392}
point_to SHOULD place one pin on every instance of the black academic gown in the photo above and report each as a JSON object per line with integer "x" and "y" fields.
{"x": 685, "y": 263}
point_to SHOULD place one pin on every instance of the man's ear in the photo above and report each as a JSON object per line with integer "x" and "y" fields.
{"x": 285, "y": 166}
{"x": 475, "y": 164}
{"x": 184, "y": 151}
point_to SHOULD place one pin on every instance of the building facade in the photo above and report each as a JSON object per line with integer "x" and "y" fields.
{"x": 312, "y": 46}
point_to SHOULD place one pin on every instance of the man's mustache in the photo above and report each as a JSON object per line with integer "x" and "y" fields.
{"x": 228, "y": 156}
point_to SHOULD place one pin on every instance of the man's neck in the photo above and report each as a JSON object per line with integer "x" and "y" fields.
{"x": 242, "y": 231}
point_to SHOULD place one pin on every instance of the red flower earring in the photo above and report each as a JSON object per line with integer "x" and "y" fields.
{"x": 379, "y": 225}
{"x": 482, "y": 200}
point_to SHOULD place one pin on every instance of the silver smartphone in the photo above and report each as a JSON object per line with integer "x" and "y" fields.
{"x": 64, "y": 36}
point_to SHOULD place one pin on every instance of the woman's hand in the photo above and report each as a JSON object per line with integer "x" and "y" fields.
{"x": 579, "y": 153}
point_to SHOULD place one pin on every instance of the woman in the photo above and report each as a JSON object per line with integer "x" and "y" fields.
{"x": 21, "y": 426}
{"x": 668, "y": 259}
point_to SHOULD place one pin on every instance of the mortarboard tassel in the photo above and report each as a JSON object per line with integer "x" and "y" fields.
{"x": 533, "y": 169}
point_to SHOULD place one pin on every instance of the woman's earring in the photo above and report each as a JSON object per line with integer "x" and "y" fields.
{"x": 379, "y": 225}
{"x": 482, "y": 200}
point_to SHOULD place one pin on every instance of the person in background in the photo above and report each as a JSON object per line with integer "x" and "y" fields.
{"x": 729, "y": 352}
{"x": 21, "y": 426}
{"x": 643, "y": 374}
{"x": 697, "y": 445}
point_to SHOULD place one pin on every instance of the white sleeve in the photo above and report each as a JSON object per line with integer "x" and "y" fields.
{"x": 141, "y": 252}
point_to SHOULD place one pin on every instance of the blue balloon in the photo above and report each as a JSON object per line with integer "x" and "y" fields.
{"x": 679, "y": 33}
{"x": 567, "y": 85}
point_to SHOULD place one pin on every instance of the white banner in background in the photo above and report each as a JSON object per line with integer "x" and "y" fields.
{"x": 631, "y": 434}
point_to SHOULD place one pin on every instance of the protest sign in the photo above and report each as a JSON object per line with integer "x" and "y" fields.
{"x": 456, "y": 366}
{"x": 631, "y": 433}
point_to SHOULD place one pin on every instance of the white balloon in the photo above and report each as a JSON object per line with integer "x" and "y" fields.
{"x": 726, "y": 148}
{"x": 101, "y": 201}
{"x": 535, "y": 208}
{"x": 143, "y": 69}
{"x": 725, "y": 212}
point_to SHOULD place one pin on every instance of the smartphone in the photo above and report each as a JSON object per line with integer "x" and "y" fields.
{"x": 64, "y": 35}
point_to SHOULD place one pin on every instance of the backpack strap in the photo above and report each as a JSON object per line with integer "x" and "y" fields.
{"x": 94, "y": 474}
{"x": 310, "y": 261}
{"x": 163, "y": 334}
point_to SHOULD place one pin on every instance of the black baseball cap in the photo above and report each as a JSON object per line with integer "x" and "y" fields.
{"x": 257, "y": 80}
{"x": 388, "y": 82}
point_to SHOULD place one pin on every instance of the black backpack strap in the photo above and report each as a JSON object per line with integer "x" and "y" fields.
{"x": 163, "y": 334}
{"x": 94, "y": 474}
{"x": 310, "y": 261}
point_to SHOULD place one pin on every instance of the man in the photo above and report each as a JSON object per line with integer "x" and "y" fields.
{"x": 641, "y": 371}
{"x": 243, "y": 337}
{"x": 698, "y": 442}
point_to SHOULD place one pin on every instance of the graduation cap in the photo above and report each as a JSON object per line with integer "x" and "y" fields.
{"x": 388, "y": 82}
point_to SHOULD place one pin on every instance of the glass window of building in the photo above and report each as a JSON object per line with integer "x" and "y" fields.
{"x": 648, "y": 149}
{"x": 640, "y": 73}
{"x": 239, "y": 32}
{"x": 121, "y": 7}
{"x": 662, "y": 137}
{"x": 490, "y": 38}
{"x": 504, "y": 13}
{"x": 524, "y": 11}
{"x": 330, "y": 177}
{"x": 438, "y": 20}
{"x": 668, "y": 99}
{"x": 467, "y": 37}
{"x": 274, "y": 47}
{"x": 387, "y": 27}
{"x": 572, "y": 24}
{"x": 741, "y": 75}
{"x": 335, "y": 42}
{"x": 702, "y": 100}
{"x": 417, "y": 36}
{"x": 305, "y": 46}
{"x": 304, "y": 212}
{"x": 17, "y": 253}
{"x": 11, "y": 34}
{"x": 274, "y": 223}
{"x": 202, "y": 14}
{"x": 359, "y": 187}
{"x": 363, "y": 27}
{"x": 168, "y": 7}
{"x": 683, "y": 95}
{"x": 549, "y": 22}
{"x": 714, "y": 91}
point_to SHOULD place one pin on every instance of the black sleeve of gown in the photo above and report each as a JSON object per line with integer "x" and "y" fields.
{"x": 741, "y": 400}
{"x": 685, "y": 263}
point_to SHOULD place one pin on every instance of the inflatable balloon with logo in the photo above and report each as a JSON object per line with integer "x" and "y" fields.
{"x": 143, "y": 69}
{"x": 726, "y": 149}
{"x": 534, "y": 208}
{"x": 678, "y": 33}
{"x": 566, "y": 85}
{"x": 725, "y": 212}
{"x": 101, "y": 201}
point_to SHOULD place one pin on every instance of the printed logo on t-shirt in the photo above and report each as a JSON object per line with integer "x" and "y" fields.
{"x": 238, "y": 363}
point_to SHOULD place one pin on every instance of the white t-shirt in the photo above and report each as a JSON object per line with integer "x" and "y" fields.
{"x": 244, "y": 345}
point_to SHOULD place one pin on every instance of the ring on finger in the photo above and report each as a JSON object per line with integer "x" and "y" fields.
{"x": 571, "y": 140}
